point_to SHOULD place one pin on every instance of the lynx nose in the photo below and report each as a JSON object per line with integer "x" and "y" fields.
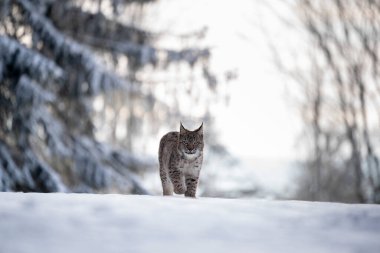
{"x": 191, "y": 148}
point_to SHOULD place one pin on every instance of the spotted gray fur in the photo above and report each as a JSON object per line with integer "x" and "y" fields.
{"x": 180, "y": 157}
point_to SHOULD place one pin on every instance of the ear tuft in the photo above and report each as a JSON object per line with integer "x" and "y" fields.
{"x": 182, "y": 129}
{"x": 200, "y": 130}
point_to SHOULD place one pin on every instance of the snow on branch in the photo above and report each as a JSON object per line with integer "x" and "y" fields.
{"x": 36, "y": 176}
{"x": 98, "y": 31}
{"x": 66, "y": 17}
{"x": 99, "y": 169}
{"x": 29, "y": 100}
{"x": 30, "y": 93}
{"x": 27, "y": 61}
{"x": 44, "y": 178}
{"x": 189, "y": 55}
{"x": 96, "y": 164}
{"x": 68, "y": 51}
{"x": 146, "y": 54}
{"x": 11, "y": 175}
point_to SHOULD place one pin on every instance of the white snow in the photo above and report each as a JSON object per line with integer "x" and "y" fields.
{"x": 83, "y": 223}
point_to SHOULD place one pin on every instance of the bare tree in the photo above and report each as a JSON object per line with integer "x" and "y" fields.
{"x": 341, "y": 91}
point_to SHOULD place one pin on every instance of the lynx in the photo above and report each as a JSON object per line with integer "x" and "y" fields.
{"x": 180, "y": 156}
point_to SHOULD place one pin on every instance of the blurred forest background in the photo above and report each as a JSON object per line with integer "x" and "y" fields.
{"x": 88, "y": 87}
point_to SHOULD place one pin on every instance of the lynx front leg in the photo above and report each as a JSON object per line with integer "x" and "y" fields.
{"x": 191, "y": 184}
{"x": 178, "y": 180}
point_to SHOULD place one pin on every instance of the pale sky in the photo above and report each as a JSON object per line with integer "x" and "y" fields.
{"x": 259, "y": 122}
{"x": 259, "y": 126}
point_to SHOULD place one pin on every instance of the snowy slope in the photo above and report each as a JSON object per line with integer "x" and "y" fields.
{"x": 69, "y": 223}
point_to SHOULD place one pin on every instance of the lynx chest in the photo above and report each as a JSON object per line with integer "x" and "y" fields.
{"x": 190, "y": 167}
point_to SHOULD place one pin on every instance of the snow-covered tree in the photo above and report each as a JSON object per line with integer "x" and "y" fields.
{"x": 55, "y": 58}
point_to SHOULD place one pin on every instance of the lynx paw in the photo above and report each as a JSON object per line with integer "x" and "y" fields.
{"x": 180, "y": 189}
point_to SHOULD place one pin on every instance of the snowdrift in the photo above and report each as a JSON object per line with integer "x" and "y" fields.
{"x": 69, "y": 223}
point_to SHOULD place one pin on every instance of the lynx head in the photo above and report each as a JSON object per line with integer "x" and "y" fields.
{"x": 191, "y": 142}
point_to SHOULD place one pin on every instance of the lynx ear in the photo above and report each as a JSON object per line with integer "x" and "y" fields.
{"x": 182, "y": 129}
{"x": 199, "y": 130}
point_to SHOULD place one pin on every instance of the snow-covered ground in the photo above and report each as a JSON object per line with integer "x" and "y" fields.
{"x": 70, "y": 223}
